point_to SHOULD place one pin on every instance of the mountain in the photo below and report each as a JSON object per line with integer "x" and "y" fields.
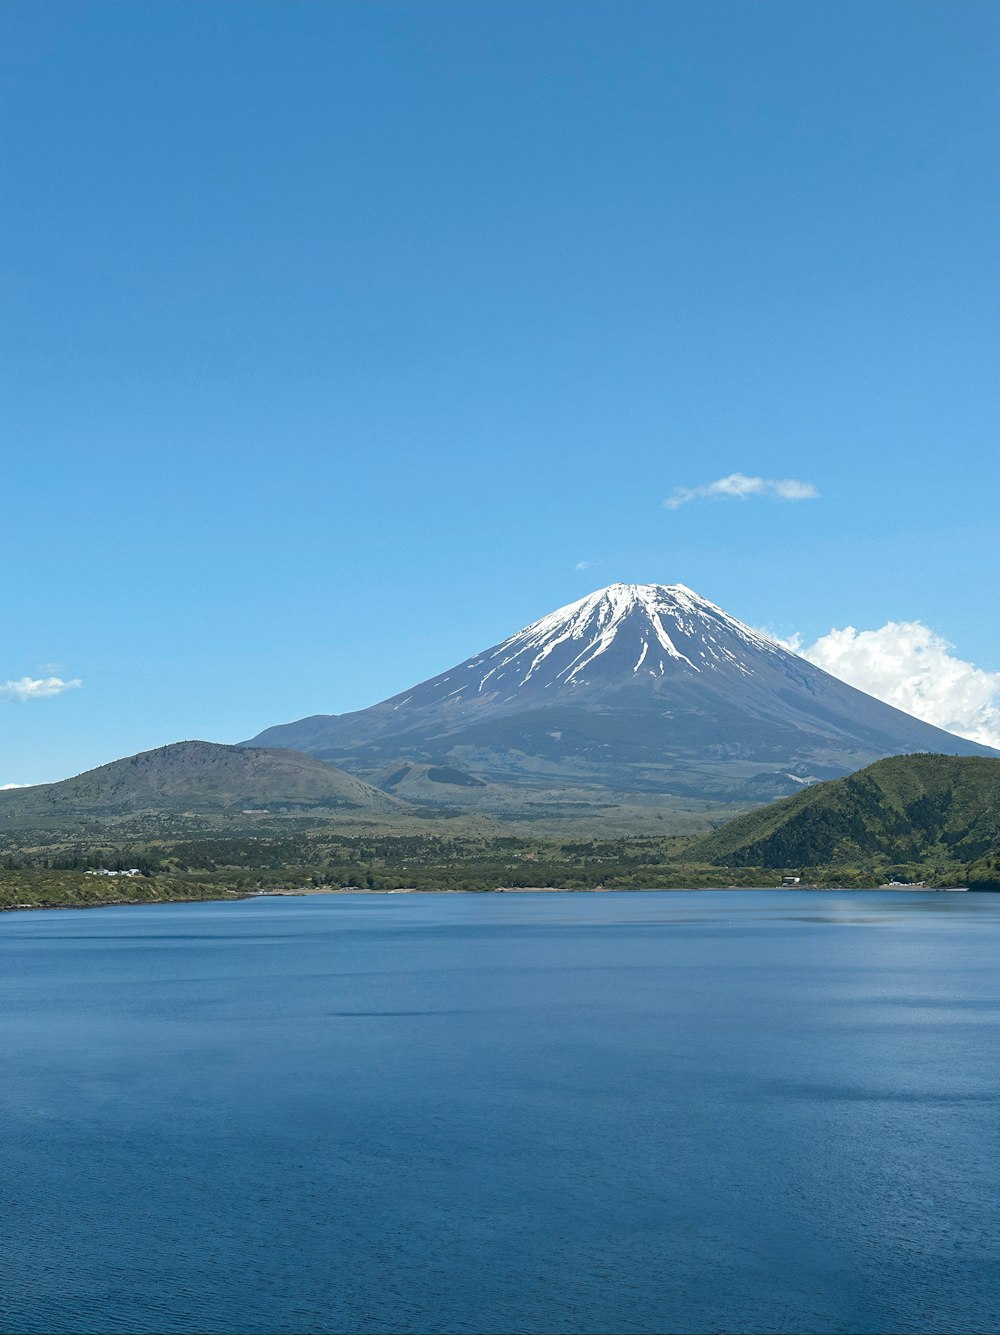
{"x": 646, "y": 690}
{"x": 908, "y": 809}
{"x": 201, "y": 778}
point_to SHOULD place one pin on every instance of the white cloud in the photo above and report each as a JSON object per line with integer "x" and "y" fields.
{"x": 6, "y": 787}
{"x": 793, "y": 642}
{"x": 36, "y": 688}
{"x": 583, "y": 565}
{"x": 738, "y": 486}
{"x": 908, "y": 665}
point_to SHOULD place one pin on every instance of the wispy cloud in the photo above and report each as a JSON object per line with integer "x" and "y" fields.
{"x": 908, "y": 665}
{"x": 36, "y": 688}
{"x": 6, "y": 787}
{"x": 585, "y": 565}
{"x": 740, "y": 487}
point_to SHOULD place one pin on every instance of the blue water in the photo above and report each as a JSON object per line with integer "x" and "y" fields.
{"x": 715, "y": 1111}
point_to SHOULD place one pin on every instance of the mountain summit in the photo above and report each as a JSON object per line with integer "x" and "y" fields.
{"x": 637, "y": 688}
{"x": 623, "y": 631}
{"x": 197, "y": 778}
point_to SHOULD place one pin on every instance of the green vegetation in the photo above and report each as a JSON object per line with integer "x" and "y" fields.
{"x": 197, "y": 779}
{"x": 912, "y": 818}
{"x": 36, "y": 887}
{"x": 935, "y": 814}
{"x": 984, "y": 874}
{"x": 213, "y": 868}
{"x": 199, "y": 868}
{"x": 191, "y": 787}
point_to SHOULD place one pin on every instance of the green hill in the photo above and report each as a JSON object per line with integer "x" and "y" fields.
{"x": 200, "y": 778}
{"x": 984, "y": 874}
{"x": 904, "y": 810}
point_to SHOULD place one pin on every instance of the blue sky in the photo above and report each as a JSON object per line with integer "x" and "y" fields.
{"x": 337, "y": 337}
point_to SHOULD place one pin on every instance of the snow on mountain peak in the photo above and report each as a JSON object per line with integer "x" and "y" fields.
{"x": 623, "y": 629}
{"x": 636, "y": 688}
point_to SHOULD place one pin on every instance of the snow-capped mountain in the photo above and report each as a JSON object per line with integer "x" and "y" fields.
{"x": 639, "y": 688}
{"x": 642, "y": 630}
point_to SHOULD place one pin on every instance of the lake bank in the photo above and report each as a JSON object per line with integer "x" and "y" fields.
{"x": 105, "y": 902}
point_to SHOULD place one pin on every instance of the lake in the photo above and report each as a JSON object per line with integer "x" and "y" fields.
{"x": 686, "y": 1111}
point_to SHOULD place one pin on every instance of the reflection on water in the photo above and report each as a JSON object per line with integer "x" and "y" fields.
{"x": 698, "y": 1111}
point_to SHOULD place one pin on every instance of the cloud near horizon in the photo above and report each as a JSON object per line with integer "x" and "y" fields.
{"x": 908, "y": 665}
{"x": 740, "y": 487}
{"x": 36, "y": 688}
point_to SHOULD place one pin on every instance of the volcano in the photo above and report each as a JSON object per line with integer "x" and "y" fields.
{"x": 637, "y": 689}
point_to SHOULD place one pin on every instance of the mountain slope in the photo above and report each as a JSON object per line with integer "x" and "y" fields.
{"x": 199, "y": 777}
{"x": 642, "y": 689}
{"x": 984, "y": 874}
{"x": 902, "y": 810}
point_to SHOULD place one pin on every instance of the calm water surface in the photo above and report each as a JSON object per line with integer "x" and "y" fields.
{"x": 730, "y": 1111}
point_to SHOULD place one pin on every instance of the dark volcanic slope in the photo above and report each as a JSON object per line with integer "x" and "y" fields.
{"x": 904, "y": 809}
{"x": 199, "y": 777}
{"x": 637, "y": 688}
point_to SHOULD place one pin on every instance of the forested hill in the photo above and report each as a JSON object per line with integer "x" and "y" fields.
{"x": 199, "y": 777}
{"x": 902, "y": 810}
{"x": 985, "y": 873}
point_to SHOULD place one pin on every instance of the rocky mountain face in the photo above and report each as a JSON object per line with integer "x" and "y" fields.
{"x": 638, "y": 690}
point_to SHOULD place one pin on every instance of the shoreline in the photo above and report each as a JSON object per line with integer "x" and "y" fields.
{"x": 308, "y": 891}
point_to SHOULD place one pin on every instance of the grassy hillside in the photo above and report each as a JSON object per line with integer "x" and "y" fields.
{"x": 196, "y": 777}
{"x": 929, "y": 809}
